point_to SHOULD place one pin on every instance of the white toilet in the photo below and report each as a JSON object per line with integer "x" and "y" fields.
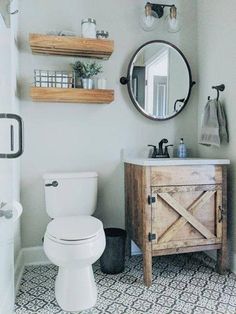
{"x": 74, "y": 239}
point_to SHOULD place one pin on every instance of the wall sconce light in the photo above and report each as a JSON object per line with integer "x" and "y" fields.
{"x": 154, "y": 12}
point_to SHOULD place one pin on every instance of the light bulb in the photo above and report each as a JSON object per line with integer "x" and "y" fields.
{"x": 173, "y": 22}
{"x": 149, "y": 19}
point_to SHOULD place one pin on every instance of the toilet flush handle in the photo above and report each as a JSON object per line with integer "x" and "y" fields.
{"x": 54, "y": 184}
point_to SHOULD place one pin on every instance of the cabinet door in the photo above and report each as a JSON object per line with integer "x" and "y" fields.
{"x": 186, "y": 216}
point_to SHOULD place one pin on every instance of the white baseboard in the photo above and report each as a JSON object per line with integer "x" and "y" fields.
{"x": 28, "y": 256}
{"x": 34, "y": 256}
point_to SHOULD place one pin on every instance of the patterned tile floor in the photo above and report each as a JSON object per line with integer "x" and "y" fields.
{"x": 181, "y": 284}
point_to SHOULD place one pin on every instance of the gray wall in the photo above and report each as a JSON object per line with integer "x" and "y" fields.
{"x": 217, "y": 64}
{"x": 78, "y": 137}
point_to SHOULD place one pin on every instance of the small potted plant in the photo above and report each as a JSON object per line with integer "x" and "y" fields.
{"x": 86, "y": 71}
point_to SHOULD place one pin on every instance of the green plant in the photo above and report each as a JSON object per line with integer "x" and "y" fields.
{"x": 86, "y": 69}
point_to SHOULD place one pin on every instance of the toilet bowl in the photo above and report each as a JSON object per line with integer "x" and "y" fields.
{"x": 72, "y": 241}
{"x": 74, "y": 251}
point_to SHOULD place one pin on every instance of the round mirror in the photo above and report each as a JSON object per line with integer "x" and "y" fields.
{"x": 159, "y": 80}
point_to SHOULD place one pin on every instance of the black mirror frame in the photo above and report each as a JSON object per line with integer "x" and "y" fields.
{"x": 126, "y": 80}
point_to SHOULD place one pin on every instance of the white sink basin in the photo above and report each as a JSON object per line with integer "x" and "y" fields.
{"x": 175, "y": 161}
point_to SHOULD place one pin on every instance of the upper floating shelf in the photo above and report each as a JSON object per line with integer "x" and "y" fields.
{"x": 71, "y": 46}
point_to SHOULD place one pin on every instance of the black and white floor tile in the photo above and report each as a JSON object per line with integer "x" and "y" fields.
{"x": 181, "y": 284}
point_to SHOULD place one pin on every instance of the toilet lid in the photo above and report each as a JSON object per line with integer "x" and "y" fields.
{"x": 74, "y": 228}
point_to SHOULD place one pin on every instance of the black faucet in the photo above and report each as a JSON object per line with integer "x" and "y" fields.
{"x": 154, "y": 152}
{"x": 160, "y": 153}
{"x": 166, "y": 153}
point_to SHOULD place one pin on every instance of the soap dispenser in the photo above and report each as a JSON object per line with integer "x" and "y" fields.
{"x": 182, "y": 150}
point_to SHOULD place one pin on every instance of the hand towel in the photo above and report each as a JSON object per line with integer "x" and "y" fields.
{"x": 210, "y": 130}
{"x": 224, "y": 136}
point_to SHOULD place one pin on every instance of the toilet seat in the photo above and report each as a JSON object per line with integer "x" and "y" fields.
{"x": 74, "y": 229}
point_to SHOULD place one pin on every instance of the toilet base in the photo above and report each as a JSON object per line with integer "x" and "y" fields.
{"x": 75, "y": 289}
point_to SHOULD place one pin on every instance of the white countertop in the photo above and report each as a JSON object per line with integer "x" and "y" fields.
{"x": 175, "y": 161}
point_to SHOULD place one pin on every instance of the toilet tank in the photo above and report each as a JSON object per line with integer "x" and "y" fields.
{"x": 70, "y": 194}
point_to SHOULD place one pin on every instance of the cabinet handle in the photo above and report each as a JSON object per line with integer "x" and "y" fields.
{"x": 221, "y": 214}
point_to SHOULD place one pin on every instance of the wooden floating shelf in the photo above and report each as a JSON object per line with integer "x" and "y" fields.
{"x": 72, "y": 95}
{"x": 71, "y": 46}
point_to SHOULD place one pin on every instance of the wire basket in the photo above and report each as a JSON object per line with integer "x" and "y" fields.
{"x": 58, "y": 79}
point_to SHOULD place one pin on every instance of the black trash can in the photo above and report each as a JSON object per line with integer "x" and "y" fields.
{"x": 113, "y": 259}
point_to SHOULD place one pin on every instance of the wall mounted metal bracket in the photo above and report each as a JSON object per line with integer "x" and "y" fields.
{"x": 218, "y": 88}
{"x": 124, "y": 80}
{"x": 159, "y": 8}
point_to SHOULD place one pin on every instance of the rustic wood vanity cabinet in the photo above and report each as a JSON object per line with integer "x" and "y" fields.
{"x": 177, "y": 208}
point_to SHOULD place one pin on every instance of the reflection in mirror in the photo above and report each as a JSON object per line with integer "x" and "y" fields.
{"x": 160, "y": 80}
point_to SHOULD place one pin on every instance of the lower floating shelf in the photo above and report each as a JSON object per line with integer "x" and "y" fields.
{"x": 72, "y": 95}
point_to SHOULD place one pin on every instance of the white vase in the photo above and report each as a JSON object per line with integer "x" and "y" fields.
{"x": 87, "y": 83}
{"x": 102, "y": 83}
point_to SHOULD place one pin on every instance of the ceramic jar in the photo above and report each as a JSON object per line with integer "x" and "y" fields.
{"x": 88, "y": 27}
{"x": 87, "y": 83}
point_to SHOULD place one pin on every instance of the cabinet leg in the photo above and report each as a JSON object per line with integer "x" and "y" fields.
{"x": 222, "y": 254}
{"x": 222, "y": 261}
{"x": 147, "y": 267}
